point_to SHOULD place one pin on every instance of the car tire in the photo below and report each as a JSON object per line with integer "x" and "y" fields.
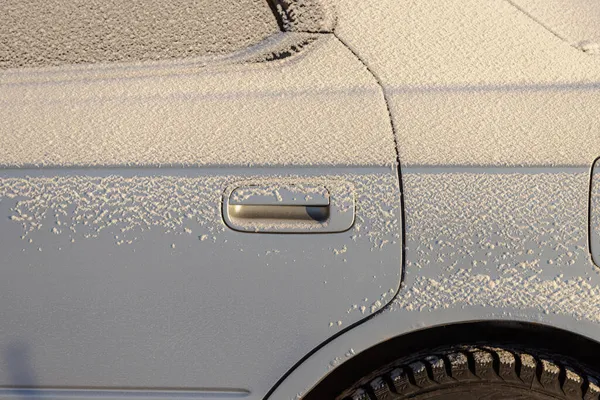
{"x": 477, "y": 372}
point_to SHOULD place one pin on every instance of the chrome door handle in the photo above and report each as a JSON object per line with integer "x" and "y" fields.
{"x": 289, "y": 208}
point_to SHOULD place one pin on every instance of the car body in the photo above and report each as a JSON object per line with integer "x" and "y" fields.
{"x": 461, "y": 136}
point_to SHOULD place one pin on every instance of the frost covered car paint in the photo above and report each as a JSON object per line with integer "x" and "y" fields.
{"x": 463, "y": 134}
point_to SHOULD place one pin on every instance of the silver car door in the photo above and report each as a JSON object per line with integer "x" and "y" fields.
{"x": 119, "y": 275}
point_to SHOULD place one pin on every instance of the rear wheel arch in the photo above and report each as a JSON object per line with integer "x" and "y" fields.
{"x": 539, "y": 337}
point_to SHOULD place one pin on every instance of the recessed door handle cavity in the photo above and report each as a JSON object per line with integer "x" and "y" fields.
{"x": 289, "y": 208}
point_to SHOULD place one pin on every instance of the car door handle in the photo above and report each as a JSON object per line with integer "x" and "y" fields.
{"x": 289, "y": 208}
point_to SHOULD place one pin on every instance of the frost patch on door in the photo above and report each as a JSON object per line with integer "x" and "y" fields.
{"x": 85, "y": 207}
{"x": 501, "y": 240}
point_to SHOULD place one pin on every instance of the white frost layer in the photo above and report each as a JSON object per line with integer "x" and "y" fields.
{"x": 508, "y": 240}
{"x": 576, "y": 21}
{"x": 475, "y": 82}
{"x": 321, "y": 107}
{"x": 428, "y": 43}
{"x": 36, "y": 33}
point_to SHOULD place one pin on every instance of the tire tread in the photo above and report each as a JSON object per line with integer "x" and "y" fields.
{"x": 464, "y": 364}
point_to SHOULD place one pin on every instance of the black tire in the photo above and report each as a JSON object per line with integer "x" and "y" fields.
{"x": 477, "y": 372}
